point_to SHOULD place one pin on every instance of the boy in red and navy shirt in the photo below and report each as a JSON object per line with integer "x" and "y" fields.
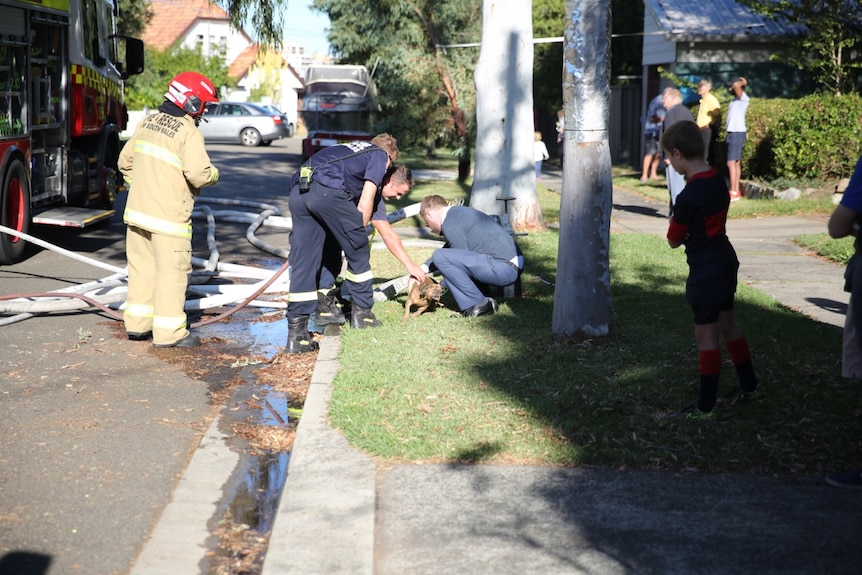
{"x": 698, "y": 223}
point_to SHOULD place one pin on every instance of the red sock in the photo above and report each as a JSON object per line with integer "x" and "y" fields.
{"x": 710, "y": 368}
{"x": 710, "y": 361}
{"x": 739, "y": 351}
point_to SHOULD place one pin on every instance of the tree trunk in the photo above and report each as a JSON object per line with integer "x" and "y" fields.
{"x": 582, "y": 293}
{"x": 504, "y": 115}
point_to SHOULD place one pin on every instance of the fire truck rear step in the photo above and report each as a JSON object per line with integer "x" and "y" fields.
{"x": 72, "y": 217}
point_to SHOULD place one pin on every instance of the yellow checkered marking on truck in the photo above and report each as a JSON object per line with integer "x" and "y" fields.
{"x": 55, "y": 4}
{"x": 89, "y": 78}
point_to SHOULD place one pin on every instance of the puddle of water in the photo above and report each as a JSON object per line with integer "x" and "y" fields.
{"x": 256, "y": 496}
{"x": 268, "y": 337}
{"x": 253, "y": 493}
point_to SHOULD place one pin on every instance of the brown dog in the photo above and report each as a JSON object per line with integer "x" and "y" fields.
{"x": 424, "y": 295}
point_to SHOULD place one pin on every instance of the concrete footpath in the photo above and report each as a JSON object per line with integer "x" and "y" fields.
{"x": 343, "y": 513}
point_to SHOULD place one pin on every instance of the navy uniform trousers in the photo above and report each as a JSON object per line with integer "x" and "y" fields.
{"x": 320, "y": 215}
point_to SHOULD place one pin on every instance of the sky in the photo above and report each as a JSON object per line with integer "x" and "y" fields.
{"x": 304, "y": 27}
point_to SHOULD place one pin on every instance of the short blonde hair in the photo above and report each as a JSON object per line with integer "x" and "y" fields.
{"x": 388, "y": 143}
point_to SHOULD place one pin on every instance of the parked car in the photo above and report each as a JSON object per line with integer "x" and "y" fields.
{"x": 248, "y": 124}
{"x": 291, "y": 128}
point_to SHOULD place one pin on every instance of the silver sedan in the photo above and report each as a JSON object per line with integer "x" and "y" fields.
{"x": 241, "y": 122}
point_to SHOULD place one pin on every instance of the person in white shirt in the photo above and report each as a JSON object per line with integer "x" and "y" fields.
{"x": 736, "y": 134}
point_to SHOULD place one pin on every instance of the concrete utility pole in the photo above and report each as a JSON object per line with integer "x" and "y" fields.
{"x": 582, "y": 293}
{"x": 504, "y": 114}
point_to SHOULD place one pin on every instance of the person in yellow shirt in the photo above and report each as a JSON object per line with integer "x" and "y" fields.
{"x": 708, "y": 117}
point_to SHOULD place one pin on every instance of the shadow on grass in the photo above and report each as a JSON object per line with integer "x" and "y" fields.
{"x": 499, "y": 388}
{"x": 607, "y": 399}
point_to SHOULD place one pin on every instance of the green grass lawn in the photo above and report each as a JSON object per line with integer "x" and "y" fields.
{"x": 500, "y": 389}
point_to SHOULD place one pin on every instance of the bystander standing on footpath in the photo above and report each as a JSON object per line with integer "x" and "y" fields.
{"x": 652, "y": 132}
{"x": 845, "y": 221}
{"x": 736, "y": 135}
{"x": 676, "y": 112}
{"x": 708, "y": 117}
{"x": 540, "y": 153}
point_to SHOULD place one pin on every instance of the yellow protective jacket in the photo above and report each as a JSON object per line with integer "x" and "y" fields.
{"x": 165, "y": 164}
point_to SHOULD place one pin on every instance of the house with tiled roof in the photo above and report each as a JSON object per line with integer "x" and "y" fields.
{"x": 194, "y": 24}
{"x": 200, "y": 24}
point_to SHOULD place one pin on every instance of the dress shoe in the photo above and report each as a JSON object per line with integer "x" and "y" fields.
{"x": 140, "y": 335}
{"x": 487, "y": 307}
{"x": 191, "y": 340}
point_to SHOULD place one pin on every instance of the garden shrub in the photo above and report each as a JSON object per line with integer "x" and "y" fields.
{"x": 815, "y": 137}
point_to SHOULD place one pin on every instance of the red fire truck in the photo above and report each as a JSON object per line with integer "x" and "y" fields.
{"x": 61, "y": 113}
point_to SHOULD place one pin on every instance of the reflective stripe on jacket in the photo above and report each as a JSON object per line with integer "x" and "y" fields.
{"x": 165, "y": 163}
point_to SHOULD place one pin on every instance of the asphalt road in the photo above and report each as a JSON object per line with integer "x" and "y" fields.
{"x": 96, "y": 430}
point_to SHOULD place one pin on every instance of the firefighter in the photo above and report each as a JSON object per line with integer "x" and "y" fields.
{"x": 165, "y": 164}
{"x": 397, "y": 182}
{"x": 332, "y": 198}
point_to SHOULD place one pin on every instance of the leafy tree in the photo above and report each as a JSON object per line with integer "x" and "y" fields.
{"x": 827, "y": 42}
{"x": 426, "y": 90}
{"x": 549, "y": 21}
{"x": 134, "y": 15}
{"x": 147, "y": 90}
{"x": 262, "y": 19}
{"x": 269, "y": 66}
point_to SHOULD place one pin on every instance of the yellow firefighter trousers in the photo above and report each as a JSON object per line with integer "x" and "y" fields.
{"x": 159, "y": 269}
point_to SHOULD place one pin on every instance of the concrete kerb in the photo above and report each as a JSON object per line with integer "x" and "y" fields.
{"x": 325, "y": 521}
{"x": 179, "y": 542}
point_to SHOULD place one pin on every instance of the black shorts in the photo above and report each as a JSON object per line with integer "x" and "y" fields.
{"x": 706, "y": 314}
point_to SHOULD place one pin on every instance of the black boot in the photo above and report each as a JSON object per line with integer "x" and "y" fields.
{"x": 362, "y": 318}
{"x": 328, "y": 311}
{"x": 298, "y": 338}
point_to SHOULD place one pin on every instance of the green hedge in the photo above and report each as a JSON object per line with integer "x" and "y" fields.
{"x": 816, "y": 137}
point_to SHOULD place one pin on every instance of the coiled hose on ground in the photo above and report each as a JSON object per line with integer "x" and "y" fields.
{"x": 109, "y": 294}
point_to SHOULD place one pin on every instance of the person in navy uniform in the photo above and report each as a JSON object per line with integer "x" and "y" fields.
{"x": 332, "y": 199}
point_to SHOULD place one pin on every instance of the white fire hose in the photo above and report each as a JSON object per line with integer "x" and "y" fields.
{"x": 110, "y": 292}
